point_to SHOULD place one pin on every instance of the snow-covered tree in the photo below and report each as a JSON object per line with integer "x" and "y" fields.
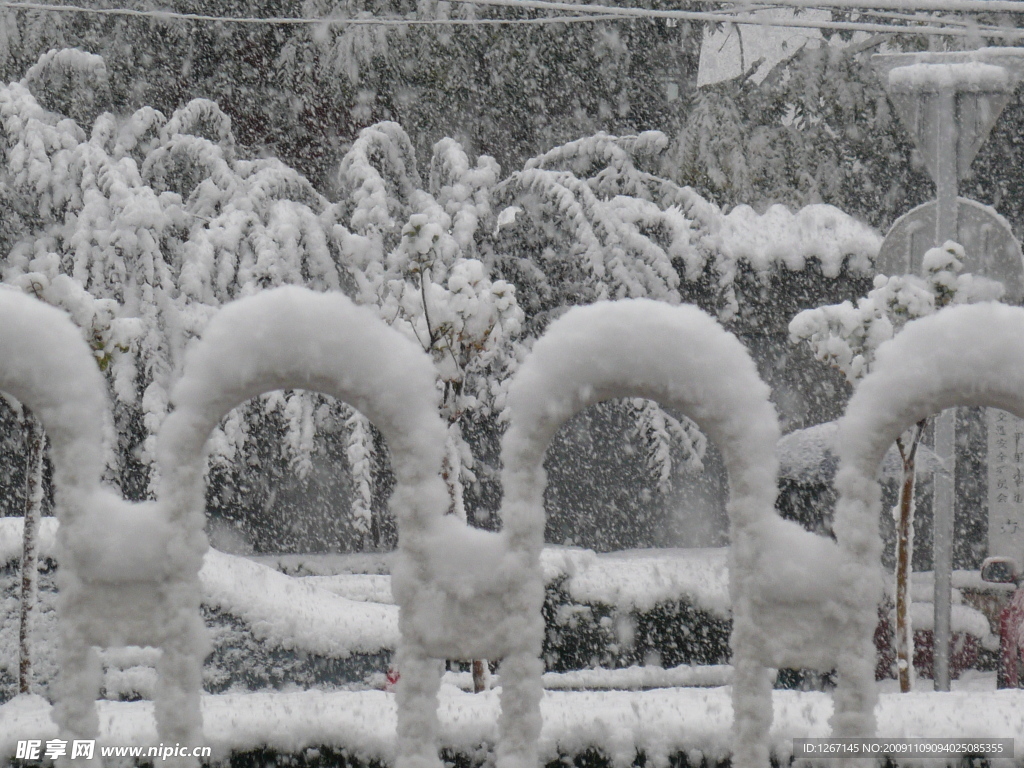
{"x": 414, "y": 256}
{"x": 847, "y": 335}
{"x": 143, "y": 225}
{"x": 821, "y": 129}
{"x": 509, "y": 90}
{"x": 39, "y": 149}
{"x": 141, "y": 229}
{"x": 254, "y": 224}
{"x": 711, "y": 151}
{"x": 584, "y": 222}
{"x": 92, "y": 232}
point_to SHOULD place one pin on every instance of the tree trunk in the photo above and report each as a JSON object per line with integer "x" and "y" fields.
{"x": 479, "y": 676}
{"x": 904, "y": 559}
{"x": 29, "y": 557}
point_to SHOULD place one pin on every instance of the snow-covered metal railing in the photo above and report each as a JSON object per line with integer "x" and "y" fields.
{"x": 480, "y": 594}
{"x": 684, "y": 360}
{"x": 295, "y": 338}
{"x": 48, "y": 367}
{"x": 129, "y": 572}
{"x": 962, "y": 355}
{"x": 120, "y": 578}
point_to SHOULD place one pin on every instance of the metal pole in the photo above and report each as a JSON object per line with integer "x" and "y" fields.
{"x": 944, "y": 124}
{"x": 945, "y": 425}
{"x": 942, "y": 545}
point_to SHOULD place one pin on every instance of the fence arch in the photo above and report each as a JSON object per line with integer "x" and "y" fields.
{"x": 683, "y": 359}
{"x": 799, "y": 599}
{"x": 963, "y": 355}
{"x": 294, "y": 338}
{"x": 48, "y": 367}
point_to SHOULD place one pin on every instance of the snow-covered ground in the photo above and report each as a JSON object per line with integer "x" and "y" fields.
{"x": 627, "y": 679}
{"x": 692, "y": 721}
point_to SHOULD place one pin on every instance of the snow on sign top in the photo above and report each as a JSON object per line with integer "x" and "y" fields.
{"x": 920, "y": 84}
{"x": 963, "y": 76}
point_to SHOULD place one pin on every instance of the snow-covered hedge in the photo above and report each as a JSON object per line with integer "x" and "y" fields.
{"x": 270, "y": 630}
{"x": 261, "y": 638}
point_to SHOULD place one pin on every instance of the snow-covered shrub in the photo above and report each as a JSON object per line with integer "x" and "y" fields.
{"x": 847, "y": 336}
{"x": 416, "y": 258}
{"x": 582, "y": 223}
{"x": 670, "y": 633}
{"x": 141, "y": 229}
{"x": 243, "y": 661}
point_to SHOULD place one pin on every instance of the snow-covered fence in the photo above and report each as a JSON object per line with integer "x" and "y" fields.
{"x": 129, "y": 572}
{"x": 124, "y": 579}
{"x": 295, "y": 338}
{"x": 684, "y": 360}
{"x": 962, "y": 355}
{"x": 117, "y": 582}
{"x": 483, "y": 592}
{"x": 48, "y": 367}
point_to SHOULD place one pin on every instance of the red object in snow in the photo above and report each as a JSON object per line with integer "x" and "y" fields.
{"x": 963, "y": 652}
{"x": 1004, "y": 570}
{"x": 392, "y": 678}
{"x": 1010, "y": 652}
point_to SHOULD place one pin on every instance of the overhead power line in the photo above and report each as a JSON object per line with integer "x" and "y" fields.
{"x": 608, "y": 14}
{"x": 569, "y": 12}
{"x": 851, "y": 26}
{"x": 949, "y": 6}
